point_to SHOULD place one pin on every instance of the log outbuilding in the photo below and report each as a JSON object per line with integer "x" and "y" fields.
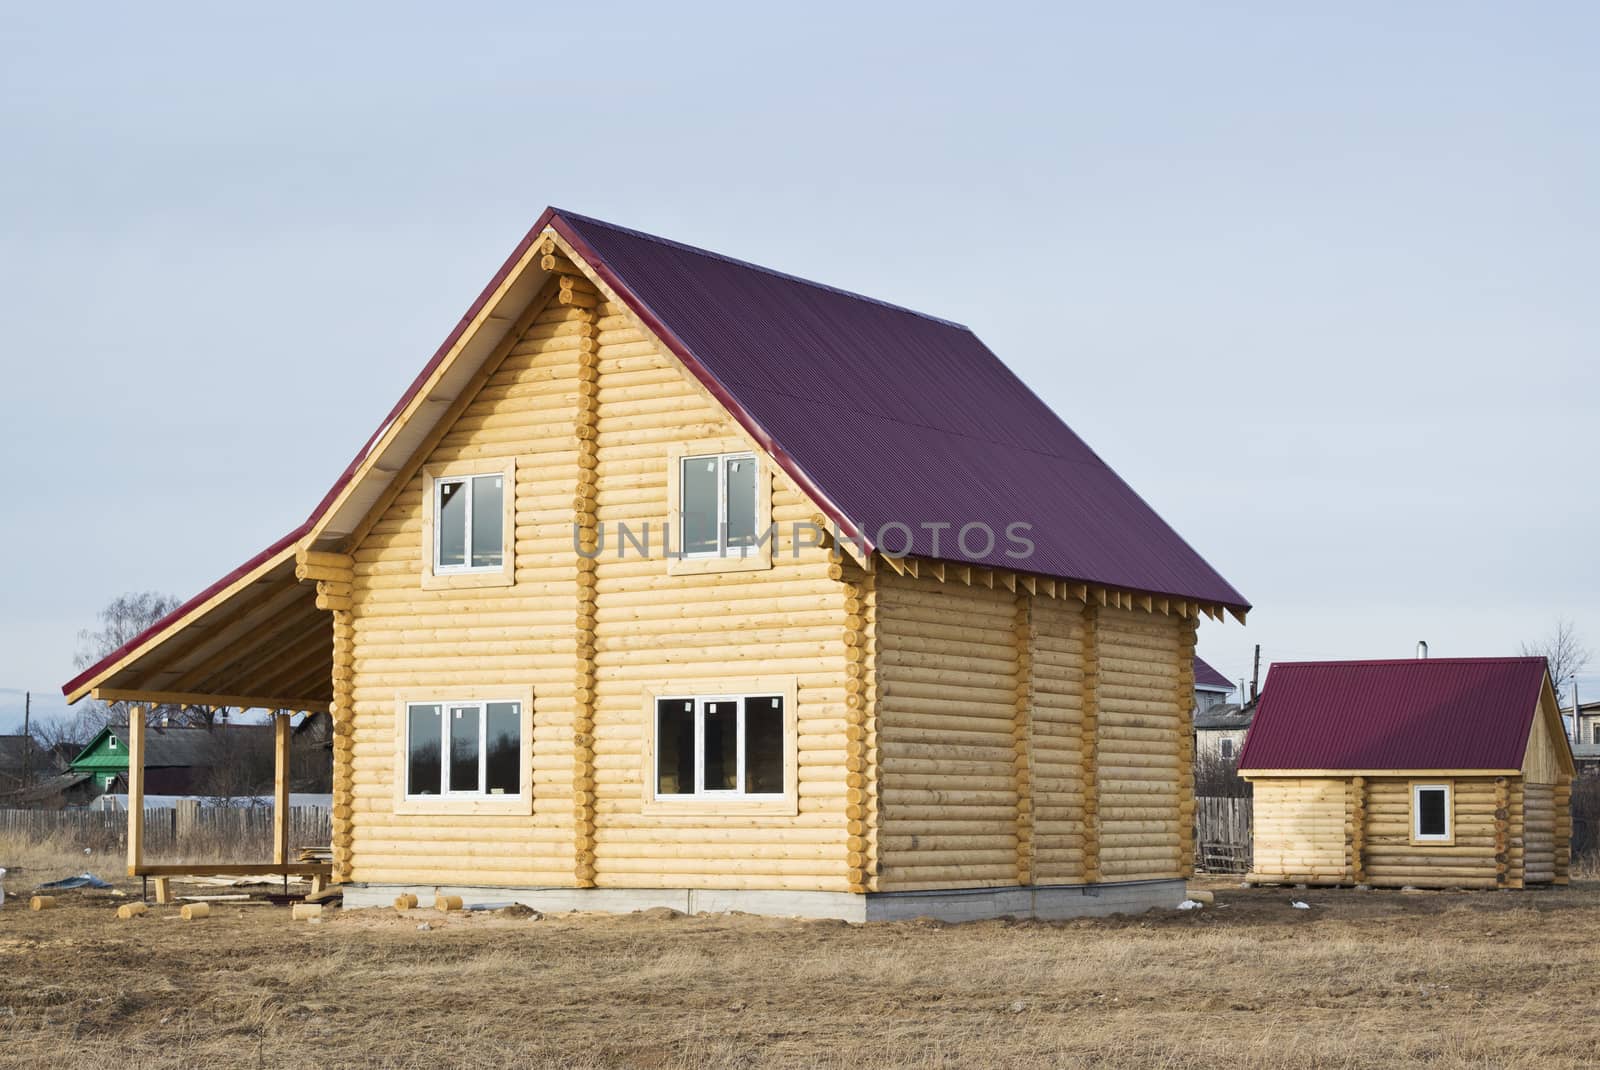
{"x": 1432, "y": 773}
{"x": 673, "y": 580}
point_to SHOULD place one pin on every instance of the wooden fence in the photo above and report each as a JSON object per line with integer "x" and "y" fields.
{"x": 191, "y": 834}
{"x": 1222, "y": 834}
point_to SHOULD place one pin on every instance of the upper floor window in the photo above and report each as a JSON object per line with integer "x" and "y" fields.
{"x": 469, "y": 532}
{"x": 1430, "y": 813}
{"x": 718, "y": 504}
{"x": 1595, "y": 728}
{"x": 469, "y": 529}
{"x": 1225, "y": 747}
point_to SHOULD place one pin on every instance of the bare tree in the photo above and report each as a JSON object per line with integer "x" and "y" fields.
{"x": 53, "y": 737}
{"x": 123, "y": 619}
{"x": 1563, "y": 650}
{"x": 238, "y": 761}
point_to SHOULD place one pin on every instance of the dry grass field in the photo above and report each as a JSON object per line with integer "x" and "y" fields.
{"x": 1375, "y": 979}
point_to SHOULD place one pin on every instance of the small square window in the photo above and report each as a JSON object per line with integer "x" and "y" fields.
{"x": 1430, "y": 813}
{"x": 468, "y": 523}
{"x": 717, "y": 504}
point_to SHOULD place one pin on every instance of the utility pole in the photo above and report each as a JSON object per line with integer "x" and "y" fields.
{"x": 27, "y": 740}
{"x": 1255, "y": 676}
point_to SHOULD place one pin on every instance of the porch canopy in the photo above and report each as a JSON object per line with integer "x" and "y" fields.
{"x": 255, "y": 639}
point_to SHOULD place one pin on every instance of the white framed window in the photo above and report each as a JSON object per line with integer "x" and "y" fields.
{"x": 1595, "y": 729}
{"x": 1431, "y": 818}
{"x": 1225, "y": 747}
{"x": 718, "y": 505}
{"x": 468, "y": 529}
{"x": 469, "y": 749}
{"x": 468, "y": 524}
{"x": 720, "y": 747}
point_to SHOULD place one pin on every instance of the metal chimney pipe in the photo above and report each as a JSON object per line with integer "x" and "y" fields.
{"x": 1422, "y": 650}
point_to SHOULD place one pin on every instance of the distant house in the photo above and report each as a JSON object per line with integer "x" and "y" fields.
{"x": 24, "y": 762}
{"x": 17, "y": 754}
{"x": 224, "y": 759}
{"x": 1219, "y": 725}
{"x": 1450, "y": 772}
{"x": 1219, "y": 731}
{"x": 1211, "y": 688}
{"x": 1585, "y": 736}
{"x": 34, "y": 776}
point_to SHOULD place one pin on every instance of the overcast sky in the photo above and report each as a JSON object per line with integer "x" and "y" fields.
{"x": 1321, "y": 287}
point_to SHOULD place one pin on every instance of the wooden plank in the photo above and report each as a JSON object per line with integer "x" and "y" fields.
{"x": 235, "y": 869}
{"x": 197, "y": 698}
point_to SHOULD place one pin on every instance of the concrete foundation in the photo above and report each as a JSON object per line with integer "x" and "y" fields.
{"x": 1045, "y": 902}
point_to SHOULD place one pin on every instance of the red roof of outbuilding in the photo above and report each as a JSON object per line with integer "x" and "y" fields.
{"x": 1429, "y": 713}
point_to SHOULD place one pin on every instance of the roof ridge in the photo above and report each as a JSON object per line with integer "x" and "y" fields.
{"x": 751, "y": 265}
{"x": 1414, "y": 661}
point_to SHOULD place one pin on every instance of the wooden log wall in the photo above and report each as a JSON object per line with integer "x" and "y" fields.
{"x": 947, "y": 692}
{"x": 1022, "y": 738}
{"x": 1502, "y": 831}
{"x": 576, "y": 292}
{"x": 861, "y": 730}
{"x": 408, "y": 637}
{"x": 1472, "y": 861}
{"x": 1139, "y": 754}
{"x": 652, "y": 628}
{"x": 1516, "y": 851}
{"x": 334, "y": 576}
{"x": 1091, "y": 743}
{"x": 1056, "y": 758}
{"x": 1539, "y": 833}
{"x": 1562, "y": 801}
{"x": 1357, "y": 823}
{"x": 1184, "y": 700}
{"x": 1302, "y": 830}
{"x": 1061, "y": 743}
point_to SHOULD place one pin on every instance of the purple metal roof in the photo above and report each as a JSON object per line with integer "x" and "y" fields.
{"x": 880, "y": 413}
{"x": 897, "y": 417}
{"x": 1430, "y": 713}
{"x": 1206, "y": 676}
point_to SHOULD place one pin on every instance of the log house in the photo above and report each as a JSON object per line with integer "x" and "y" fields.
{"x": 674, "y": 580}
{"x": 1433, "y": 773}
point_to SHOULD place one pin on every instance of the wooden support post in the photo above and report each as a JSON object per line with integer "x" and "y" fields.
{"x": 280, "y": 789}
{"x": 163, "y": 890}
{"x": 135, "y": 789}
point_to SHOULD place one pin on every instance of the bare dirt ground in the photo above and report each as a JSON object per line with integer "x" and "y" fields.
{"x": 1361, "y": 979}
